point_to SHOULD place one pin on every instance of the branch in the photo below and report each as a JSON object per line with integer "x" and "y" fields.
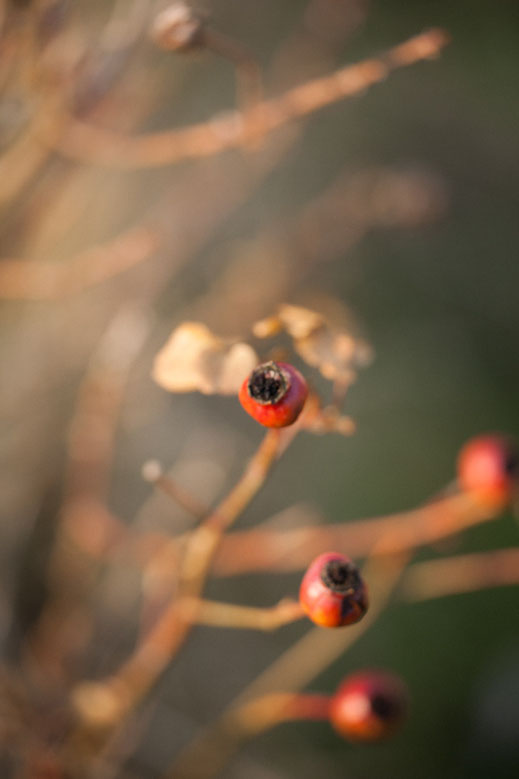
{"x": 33, "y": 280}
{"x": 106, "y": 703}
{"x": 229, "y": 615}
{"x": 461, "y": 574}
{"x": 252, "y": 551}
{"x": 84, "y": 141}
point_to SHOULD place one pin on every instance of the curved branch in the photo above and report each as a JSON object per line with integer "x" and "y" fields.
{"x": 86, "y": 142}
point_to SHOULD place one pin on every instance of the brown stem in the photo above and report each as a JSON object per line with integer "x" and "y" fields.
{"x": 107, "y": 702}
{"x": 289, "y": 550}
{"x": 461, "y": 574}
{"x": 84, "y": 141}
{"x": 153, "y": 473}
{"x": 249, "y": 88}
{"x": 246, "y": 617}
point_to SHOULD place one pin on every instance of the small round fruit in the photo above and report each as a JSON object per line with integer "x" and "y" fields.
{"x": 368, "y": 706}
{"x": 332, "y": 592}
{"x": 488, "y": 469}
{"x": 274, "y": 394}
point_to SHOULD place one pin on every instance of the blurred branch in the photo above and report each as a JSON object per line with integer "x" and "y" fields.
{"x": 85, "y": 518}
{"x": 228, "y": 615}
{"x": 109, "y": 701}
{"x": 27, "y": 279}
{"x": 86, "y": 142}
{"x": 26, "y": 155}
{"x": 461, "y": 574}
{"x": 248, "y": 551}
{"x": 152, "y": 472}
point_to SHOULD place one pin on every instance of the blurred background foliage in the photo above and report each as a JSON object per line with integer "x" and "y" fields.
{"x": 434, "y": 289}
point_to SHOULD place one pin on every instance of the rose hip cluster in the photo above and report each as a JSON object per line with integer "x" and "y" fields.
{"x": 368, "y": 705}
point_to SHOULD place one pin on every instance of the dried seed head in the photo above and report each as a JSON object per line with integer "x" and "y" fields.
{"x": 178, "y": 28}
{"x": 340, "y": 575}
{"x": 268, "y": 383}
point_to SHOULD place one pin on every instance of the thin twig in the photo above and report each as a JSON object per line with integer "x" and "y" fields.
{"x": 110, "y": 700}
{"x": 461, "y": 574}
{"x": 85, "y": 517}
{"x": 84, "y": 141}
{"x": 229, "y": 615}
{"x": 249, "y": 86}
{"x": 153, "y": 473}
{"x": 29, "y": 279}
{"x": 289, "y": 550}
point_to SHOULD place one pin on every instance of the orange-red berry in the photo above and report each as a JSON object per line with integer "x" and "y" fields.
{"x": 368, "y": 706}
{"x": 332, "y": 592}
{"x": 274, "y": 394}
{"x": 488, "y": 469}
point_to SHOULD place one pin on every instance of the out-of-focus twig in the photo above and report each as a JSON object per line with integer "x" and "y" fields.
{"x": 26, "y": 155}
{"x": 287, "y": 550}
{"x": 85, "y": 516}
{"x": 84, "y": 141}
{"x": 107, "y": 702}
{"x": 229, "y": 615}
{"x": 461, "y": 574}
{"x": 152, "y": 472}
{"x": 26, "y": 279}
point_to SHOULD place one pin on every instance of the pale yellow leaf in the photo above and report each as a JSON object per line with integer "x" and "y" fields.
{"x": 195, "y": 359}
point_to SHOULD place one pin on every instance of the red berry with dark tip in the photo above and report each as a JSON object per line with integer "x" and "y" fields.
{"x": 332, "y": 592}
{"x": 368, "y": 706}
{"x": 488, "y": 469}
{"x": 274, "y": 394}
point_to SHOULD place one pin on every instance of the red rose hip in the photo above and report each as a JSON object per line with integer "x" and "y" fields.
{"x": 274, "y": 394}
{"x": 332, "y": 592}
{"x": 488, "y": 469}
{"x": 368, "y": 706}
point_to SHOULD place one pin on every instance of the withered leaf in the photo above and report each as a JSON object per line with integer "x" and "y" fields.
{"x": 195, "y": 359}
{"x": 331, "y": 348}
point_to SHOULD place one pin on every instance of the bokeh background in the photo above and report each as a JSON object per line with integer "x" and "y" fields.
{"x": 399, "y": 204}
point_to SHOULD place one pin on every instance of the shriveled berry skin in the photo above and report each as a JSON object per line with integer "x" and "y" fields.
{"x": 368, "y": 706}
{"x": 488, "y": 469}
{"x": 332, "y": 592}
{"x": 274, "y": 394}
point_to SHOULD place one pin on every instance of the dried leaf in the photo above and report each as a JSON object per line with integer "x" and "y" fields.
{"x": 332, "y": 349}
{"x": 195, "y": 359}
